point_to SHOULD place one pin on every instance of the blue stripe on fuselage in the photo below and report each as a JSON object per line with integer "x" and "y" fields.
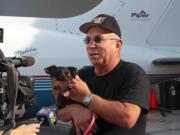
{"x": 42, "y": 93}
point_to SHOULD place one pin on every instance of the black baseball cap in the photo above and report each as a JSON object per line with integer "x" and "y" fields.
{"x": 104, "y": 21}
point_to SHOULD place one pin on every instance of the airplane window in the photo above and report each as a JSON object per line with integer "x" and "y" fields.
{"x": 1, "y": 35}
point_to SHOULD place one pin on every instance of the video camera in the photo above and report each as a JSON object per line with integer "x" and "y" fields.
{"x": 14, "y": 88}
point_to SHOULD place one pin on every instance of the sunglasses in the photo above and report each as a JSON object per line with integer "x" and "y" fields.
{"x": 96, "y": 39}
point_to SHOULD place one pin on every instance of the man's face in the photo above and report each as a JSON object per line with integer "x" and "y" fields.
{"x": 104, "y": 52}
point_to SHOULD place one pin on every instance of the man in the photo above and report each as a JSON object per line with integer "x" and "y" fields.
{"x": 116, "y": 91}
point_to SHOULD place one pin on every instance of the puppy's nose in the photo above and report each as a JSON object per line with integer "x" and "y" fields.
{"x": 69, "y": 87}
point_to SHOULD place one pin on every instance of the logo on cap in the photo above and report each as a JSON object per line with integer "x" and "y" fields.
{"x": 99, "y": 20}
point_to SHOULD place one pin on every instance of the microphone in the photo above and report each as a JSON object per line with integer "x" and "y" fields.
{"x": 24, "y": 61}
{"x": 47, "y": 116}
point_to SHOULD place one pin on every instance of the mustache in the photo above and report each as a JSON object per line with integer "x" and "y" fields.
{"x": 93, "y": 51}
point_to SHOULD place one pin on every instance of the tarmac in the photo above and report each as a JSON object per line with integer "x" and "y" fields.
{"x": 166, "y": 124}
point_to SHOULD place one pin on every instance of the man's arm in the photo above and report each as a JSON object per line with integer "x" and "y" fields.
{"x": 80, "y": 115}
{"x": 120, "y": 113}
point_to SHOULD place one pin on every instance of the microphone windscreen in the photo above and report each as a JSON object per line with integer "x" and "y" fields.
{"x": 27, "y": 61}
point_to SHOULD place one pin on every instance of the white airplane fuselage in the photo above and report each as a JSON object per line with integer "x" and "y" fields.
{"x": 149, "y": 29}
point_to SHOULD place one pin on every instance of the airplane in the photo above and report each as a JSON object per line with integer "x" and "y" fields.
{"x": 49, "y": 32}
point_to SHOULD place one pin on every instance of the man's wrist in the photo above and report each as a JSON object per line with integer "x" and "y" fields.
{"x": 87, "y": 99}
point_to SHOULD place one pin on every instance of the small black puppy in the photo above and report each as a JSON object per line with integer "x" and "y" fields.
{"x": 61, "y": 80}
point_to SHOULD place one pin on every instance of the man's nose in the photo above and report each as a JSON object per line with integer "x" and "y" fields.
{"x": 91, "y": 44}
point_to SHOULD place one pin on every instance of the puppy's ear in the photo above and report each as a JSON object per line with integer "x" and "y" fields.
{"x": 51, "y": 70}
{"x": 73, "y": 71}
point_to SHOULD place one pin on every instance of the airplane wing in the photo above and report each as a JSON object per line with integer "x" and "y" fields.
{"x": 166, "y": 61}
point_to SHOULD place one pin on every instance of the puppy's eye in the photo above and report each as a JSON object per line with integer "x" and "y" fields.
{"x": 55, "y": 88}
{"x": 67, "y": 75}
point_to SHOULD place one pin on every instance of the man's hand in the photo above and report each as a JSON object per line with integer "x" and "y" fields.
{"x": 31, "y": 129}
{"x": 79, "y": 90}
{"x": 80, "y": 115}
{"x": 65, "y": 114}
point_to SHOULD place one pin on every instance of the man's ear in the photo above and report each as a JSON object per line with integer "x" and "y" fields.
{"x": 73, "y": 71}
{"x": 119, "y": 43}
